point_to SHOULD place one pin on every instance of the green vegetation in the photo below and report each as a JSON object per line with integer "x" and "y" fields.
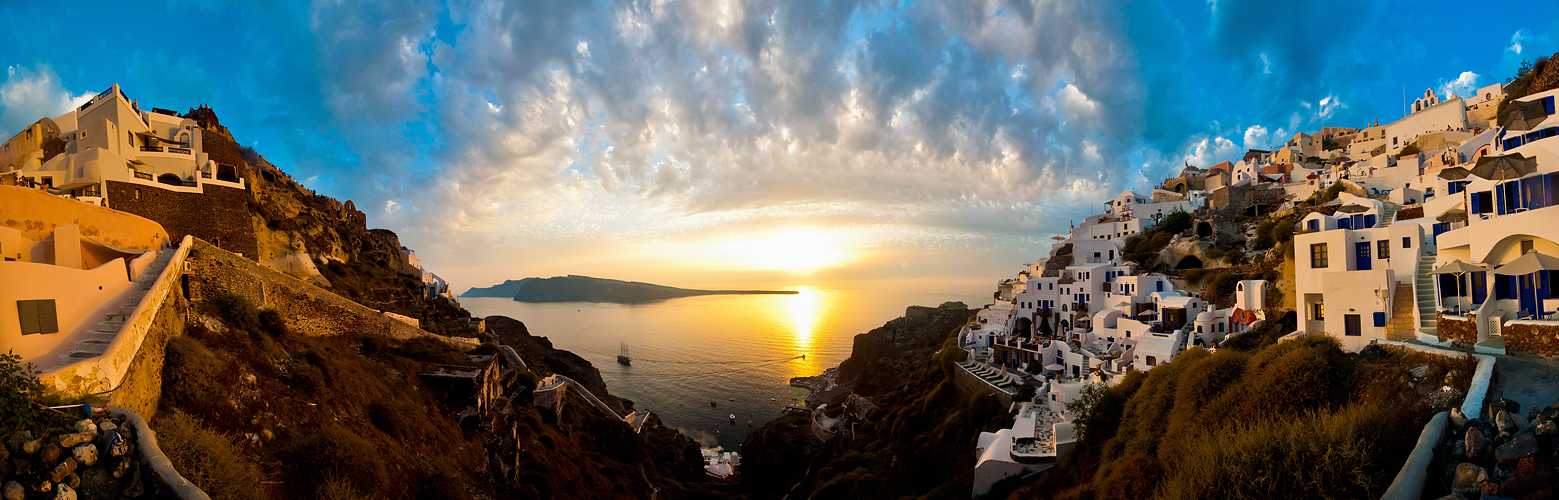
{"x": 1332, "y": 192}
{"x": 207, "y": 458}
{"x": 19, "y": 388}
{"x": 1274, "y": 231}
{"x": 1143, "y": 248}
{"x": 1296, "y": 419}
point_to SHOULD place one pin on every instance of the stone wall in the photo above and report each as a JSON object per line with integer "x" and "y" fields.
{"x": 308, "y": 309}
{"x": 219, "y": 214}
{"x": 969, "y": 383}
{"x": 1539, "y": 339}
{"x": 142, "y": 386}
{"x": 1458, "y": 330}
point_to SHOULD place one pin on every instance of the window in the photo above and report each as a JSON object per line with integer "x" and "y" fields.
{"x": 1482, "y": 202}
{"x": 1383, "y": 247}
{"x": 37, "y": 316}
{"x": 1318, "y": 311}
{"x": 1351, "y": 325}
{"x": 1313, "y": 224}
{"x": 1152, "y": 361}
{"x": 1526, "y": 247}
{"x": 1407, "y": 242}
{"x": 1318, "y": 256}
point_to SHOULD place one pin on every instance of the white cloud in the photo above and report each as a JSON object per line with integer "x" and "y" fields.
{"x": 28, "y": 94}
{"x": 1211, "y": 150}
{"x": 1327, "y": 107}
{"x": 1257, "y": 137}
{"x": 1463, "y": 85}
{"x": 1516, "y": 39}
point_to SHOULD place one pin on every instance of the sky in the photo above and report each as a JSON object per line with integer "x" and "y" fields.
{"x": 766, "y": 143}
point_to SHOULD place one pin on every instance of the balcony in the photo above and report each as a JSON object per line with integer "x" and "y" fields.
{"x": 151, "y": 149}
{"x": 1080, "y": 307}
{"x": 182, "y": 151}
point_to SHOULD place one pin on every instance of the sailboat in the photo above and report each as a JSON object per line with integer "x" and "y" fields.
{"x": 623, "y": 358}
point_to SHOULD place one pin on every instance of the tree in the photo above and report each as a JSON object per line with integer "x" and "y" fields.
{"x": 1176, "y": 222}
{"x": 1025, "y": 392}
{"x": 1082, "y": 408}
{"x": 19, "y": 387}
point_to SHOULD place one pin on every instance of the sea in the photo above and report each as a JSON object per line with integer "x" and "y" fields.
{"x": 739, "y": 351}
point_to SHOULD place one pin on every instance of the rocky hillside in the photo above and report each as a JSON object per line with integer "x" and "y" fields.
{"x": 506, "y": 290}
{"x": 574, "y": 288}
{"x": 918, "y": 443}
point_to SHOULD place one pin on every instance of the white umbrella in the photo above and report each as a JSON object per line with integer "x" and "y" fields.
{"x": 1055, "y": 367}
{"x": 1458, "y": 268}
{"x": 1527, "y": 264}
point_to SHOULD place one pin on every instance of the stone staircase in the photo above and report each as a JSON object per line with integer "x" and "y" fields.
{"x": 97, "y": 341}
{"x": 1389, "y": 214}
{"x": 1423, "y": 292}
{"x": 1403, "y": 325}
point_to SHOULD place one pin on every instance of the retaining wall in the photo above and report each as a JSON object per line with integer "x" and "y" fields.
{"x": 1409, "y": 483}
{"x": 973, "y": 384}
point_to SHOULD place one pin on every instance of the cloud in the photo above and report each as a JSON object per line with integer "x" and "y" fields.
{"x": 1257, "y": 137}
{"x": 1463, "y": 85}
{"x": 30, "y": 93}
{"x": 1211, "y": 150}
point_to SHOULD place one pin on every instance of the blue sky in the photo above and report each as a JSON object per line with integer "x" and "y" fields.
{"x": 929, "y": 139}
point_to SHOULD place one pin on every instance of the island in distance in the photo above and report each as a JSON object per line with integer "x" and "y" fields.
{"x": 573, "y": 288}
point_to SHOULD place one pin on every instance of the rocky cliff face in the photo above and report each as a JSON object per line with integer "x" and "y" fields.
{"x": 545, "y": 360}
{"x": 887, "y": 357}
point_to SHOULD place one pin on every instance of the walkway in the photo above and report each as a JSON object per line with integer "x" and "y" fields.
{"x": 1526, "y": 379}
{"x": 97, "y": 341}
{"x": 552, "y": 382}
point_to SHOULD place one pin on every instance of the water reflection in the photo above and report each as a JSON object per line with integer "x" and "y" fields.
{"x": 803, "y": 325}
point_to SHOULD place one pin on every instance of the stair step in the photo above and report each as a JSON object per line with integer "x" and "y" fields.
{"x": 99, "y": 336}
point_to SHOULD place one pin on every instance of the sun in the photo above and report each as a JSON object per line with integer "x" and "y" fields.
{"x": 793, "y": 250}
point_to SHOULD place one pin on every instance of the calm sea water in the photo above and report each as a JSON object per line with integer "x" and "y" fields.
{"x": 744, "y": 347}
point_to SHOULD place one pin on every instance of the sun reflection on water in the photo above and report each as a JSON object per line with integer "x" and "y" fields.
{"x": 803, "y": 309}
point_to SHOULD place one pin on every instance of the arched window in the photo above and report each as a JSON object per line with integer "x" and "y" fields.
{"x": 170, "y": 179}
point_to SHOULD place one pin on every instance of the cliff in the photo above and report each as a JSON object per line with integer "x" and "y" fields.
{"x": 507, "y": 289}
{"x": 918, "y": 443}
{"x": 574, "y": 288}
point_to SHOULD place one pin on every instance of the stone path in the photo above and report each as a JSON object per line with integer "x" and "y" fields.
{"x": 1526, "y": 379}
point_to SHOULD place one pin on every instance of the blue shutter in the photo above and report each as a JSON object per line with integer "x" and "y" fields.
{"x": 1369, "y": 220}
{"x": 1480, "y": 287}
{"x": 1499, "y": 202}
{"x": 1380, "y": 319}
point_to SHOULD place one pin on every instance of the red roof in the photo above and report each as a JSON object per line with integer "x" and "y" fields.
{"x": 1278, "y": 169}
{"x": 1224, "y": 167}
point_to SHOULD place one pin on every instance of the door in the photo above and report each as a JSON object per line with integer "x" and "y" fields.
{"x": 1528, "y": 294}
{"x": 1351, "y": 326}
{"x": 1362, "y": 256}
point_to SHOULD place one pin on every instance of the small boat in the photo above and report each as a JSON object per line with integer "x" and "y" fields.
{"x": 771, "y": 399}
{"x": 733, "y": 418}
{"x": 623, "y": 358}
{"x": 733, "y": 400}
{"x": 712, "y": 403}
{"x": 803, "y": 356}
{"x": 749, "y": 423}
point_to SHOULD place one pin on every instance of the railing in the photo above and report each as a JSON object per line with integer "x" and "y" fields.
{"x": 182, "y": 151}
{"x": 143, "y": 175}
{"x": 151, "y": 149}
{"x": 1081, "y": 307}
{"x": 205, "y": 175}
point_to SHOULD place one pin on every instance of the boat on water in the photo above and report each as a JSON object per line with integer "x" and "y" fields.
{"x": 712, "y": 403}
{"x": 733, "y": 418}
{"x": 623, "y": 358}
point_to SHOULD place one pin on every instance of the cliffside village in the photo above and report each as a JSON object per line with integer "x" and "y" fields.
{"x": 94, "y": 202}
{"x": 1440, "y": 233}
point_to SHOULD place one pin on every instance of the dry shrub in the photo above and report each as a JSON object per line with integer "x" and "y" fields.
{"x": 333, "y": 452}
{"x": 207, "y": 458}
{"x": 194, "y": 378}
{"x": 1308, "y": 455}
{"x": 336, "y": 488}
{"x": 391, "y": 417}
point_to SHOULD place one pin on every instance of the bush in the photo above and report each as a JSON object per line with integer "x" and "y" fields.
{"x": 207, "y": 458}
{"x": 237, "y": 311}
{"x": 1332, "y": 192}
{"x": 392, "y": 418}
{"x": 1025, "y": 392}
{"x": 1176, "y": 222}
{"x": 336, "y": 488}
{"x": 19, "y": 388}
{"x": 1195, "y": 276}
{"x": 1409, "y": 150}
{"x": 333, "y": 452}
{"x": 1220, "y": 287}
{"x": 194, "y": 378}
{"x": 271, "y": 322}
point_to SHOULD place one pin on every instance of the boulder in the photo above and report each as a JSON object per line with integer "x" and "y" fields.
{"x": 86, "y": 425}
{"x": 1504, "y": 423}
{"x": 1475, "y": 443}
{"x": 107, "y": 425}
{"x": 30, "y": 447}
{"x": 1458, "y": 418}
{"x": 1469, "y": 478}
{"x": 50, "y": 454}
{"x": 85, "y": 454}
{"x": 1545, "y": 428}
{"x": 64, "y": 492}
{"x": 62, "y": 470}
{"x": 14, "y": 491}
{"x": 1530, "y": 480}
{"x": 71, "y": 440}
{"x": 1419, "y": 371}
{"x": 1523, "y": 445}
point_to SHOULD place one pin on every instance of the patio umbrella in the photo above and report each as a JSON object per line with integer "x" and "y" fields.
{"x": 1458, "y": 268}
{"x": 1353, "y": 209}
{"x": 1455, "y": 173}
{"x": 1527, "y": 264}
{"x": 1523, "y": 116}
{"x": 1453, "y": 215}
{"x": 1055, "y": 367}
{"x": 1504, "y": 167}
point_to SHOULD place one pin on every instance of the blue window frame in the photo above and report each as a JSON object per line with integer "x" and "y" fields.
{"x": 1313, "y": 224}
{"x": 1480, "y": 286}
{"x": 1380, "y": 319}
{"x": 1455, "y": 187}
{"x": 1482, "y": 203}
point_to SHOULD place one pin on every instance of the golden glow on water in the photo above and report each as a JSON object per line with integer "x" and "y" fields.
{"x": 803, "y": 315}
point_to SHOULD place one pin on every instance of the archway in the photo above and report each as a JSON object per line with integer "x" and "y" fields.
{"x": 227, "y": 173}
{"x": 170, "y": 179}
{"x": 1023, "y": 327}
{"x": 1189, "y": 262}
{"x": 1204, "y": 229}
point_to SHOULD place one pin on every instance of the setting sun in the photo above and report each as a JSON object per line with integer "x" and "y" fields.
{"x": 797, "y": 250}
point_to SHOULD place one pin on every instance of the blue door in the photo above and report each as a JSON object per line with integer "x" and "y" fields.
{"x": 1362, "y": 251}
{"x": 1528, "y": 295}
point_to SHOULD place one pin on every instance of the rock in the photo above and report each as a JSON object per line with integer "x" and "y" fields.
{"x": 1458, "y": 418}
{"x": 1530, "y": 480}
{"x": 1523, "y": 445}
{"x": 86, "y": 425}
{"x": 62, "y": 470}
{"x": 1469, "y": 478}
{"x": 74, "y": 481}
{"x": 50, "y": 454}
{"x": 32, "y": 446}
{"x": 1419, "y": 371}
{"x": 107, "y": 425}
{"x": 1475, "y": 443}
{"x": 267, "y": 435}
{"x": 64, "y": 493}
{"x": 71, "y": 440}
{"x": 1545, "y": 428}
{"x": 1459, "y": 448}
{"x": 14, "y": 491}
{"x": 1453, "y": 496}
{"x": 85, "y": 454}
{"x": 1504, "y": 422}
{"x": 41, "y": 485}
{"x": 121, "y": 467}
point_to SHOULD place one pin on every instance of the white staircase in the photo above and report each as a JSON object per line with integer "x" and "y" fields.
{"x": 1389, "y": 214}
{"x": 1423, "y": 291}
{"x": 97, "y": 341}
